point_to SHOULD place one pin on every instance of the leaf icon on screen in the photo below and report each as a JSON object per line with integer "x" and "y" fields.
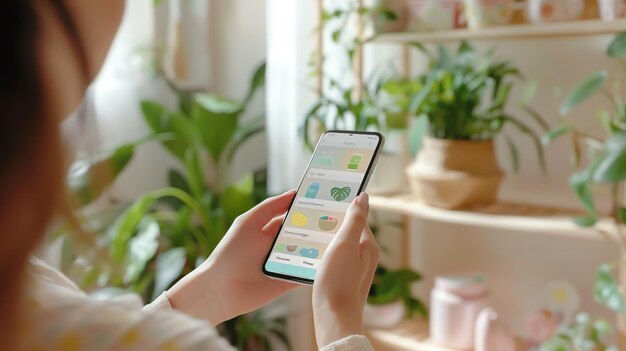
{"x": 340, "y": 194}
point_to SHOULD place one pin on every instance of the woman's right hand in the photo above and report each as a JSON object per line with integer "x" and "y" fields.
{"x": 344, "y": 277}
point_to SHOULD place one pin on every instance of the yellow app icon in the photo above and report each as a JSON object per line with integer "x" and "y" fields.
{"x": 299, "y": 219}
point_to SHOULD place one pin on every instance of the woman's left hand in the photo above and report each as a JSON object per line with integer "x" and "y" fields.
{"x": 230, "y": 282}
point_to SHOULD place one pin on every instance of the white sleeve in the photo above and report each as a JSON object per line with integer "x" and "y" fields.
{"x": 351, "y": 343}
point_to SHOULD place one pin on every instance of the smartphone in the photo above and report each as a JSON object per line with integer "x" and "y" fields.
{"x": 338, "y": 171}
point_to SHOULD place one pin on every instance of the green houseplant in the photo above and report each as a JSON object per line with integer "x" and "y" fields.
{"x": 146, "y": 246}
{"x": 601, "y": 163}
{"x": 460, "y": 105}
{"x": 584, "y": 334}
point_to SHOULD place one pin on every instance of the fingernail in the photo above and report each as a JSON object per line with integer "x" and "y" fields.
{"x": 363, "y": 201}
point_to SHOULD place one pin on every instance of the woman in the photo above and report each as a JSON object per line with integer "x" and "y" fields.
{"x": 52, "y": 50}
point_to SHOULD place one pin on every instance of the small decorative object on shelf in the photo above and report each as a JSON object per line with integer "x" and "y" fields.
{"x": 542, "y": 325}
{"x": 455, "y": 304}
{"x": 425, "y": 15}
{"x": 540, "y": 11}
{"x": 486, "y": 13}
{"x": 612, "y": 9}
{"x": 491, "y": 334}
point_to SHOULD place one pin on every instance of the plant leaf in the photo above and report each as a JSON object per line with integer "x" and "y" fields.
{"x": 416, "y": 134}
{"x": 580, "y": 183}
{"x": 142, "y": 247}
{"x": 238, "y": 198}
{"x": 258, "y": 81}
{"x": 126, "y": 225}
{"x": 583, "y": 91}
{"x": 159, "y": 119}
{"x": 607, "y": 291}
{"x": 586, "y": 221}
{"x": 89, "y": 177}
{"x": 216, "y": 120}
{"x": 555, "y": 134}
{"x": 169, "y": 266}
{"x": 617, "y": 48}
{"x": 243, "y": 133}
{"x": 612, "y": 168}
{"x": 195, "y": 175}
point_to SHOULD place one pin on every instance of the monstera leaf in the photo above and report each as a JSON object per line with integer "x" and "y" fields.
{"x": 340, "y": 194}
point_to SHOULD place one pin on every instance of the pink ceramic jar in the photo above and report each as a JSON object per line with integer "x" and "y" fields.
{"x": 455, "y": 303}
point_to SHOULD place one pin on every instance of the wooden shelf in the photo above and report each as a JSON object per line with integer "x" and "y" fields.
{"x": 410, "y": 335}
{"x": 521, "y": 31}
{"x": 501, "y": 215}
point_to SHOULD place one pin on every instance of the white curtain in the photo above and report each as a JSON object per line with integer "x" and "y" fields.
{"x": 290, "y": 92}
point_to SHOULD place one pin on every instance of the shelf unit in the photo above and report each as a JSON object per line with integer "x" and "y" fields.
{"x": 500, "y": 215}
{"x": 519, "y": 31}
{"x": 413, "y": 334}
{"x": 410, "y": 335}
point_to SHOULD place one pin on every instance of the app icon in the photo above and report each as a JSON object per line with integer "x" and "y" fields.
{"x": 292, "y": 248}
{"x": 299, "y": 219}
{"x": 354, "y": 162}
{"x": 311, "y": 192}
{"x": 327, "y": 223}
{"x": 309, "y": 253}
{"x": 325, "y": 159}
{"x": 340, "y": 194}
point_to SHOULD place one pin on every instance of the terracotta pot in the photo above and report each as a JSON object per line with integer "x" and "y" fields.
{"x": 455, "y": 173}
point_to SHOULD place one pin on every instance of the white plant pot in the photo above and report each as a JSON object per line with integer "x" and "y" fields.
{"x": 384, "y": 316}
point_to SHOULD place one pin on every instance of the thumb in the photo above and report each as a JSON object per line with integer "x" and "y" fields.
{"x": 355, "y": 221}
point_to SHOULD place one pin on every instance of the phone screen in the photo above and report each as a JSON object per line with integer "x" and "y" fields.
{"x": 337, "y": 173}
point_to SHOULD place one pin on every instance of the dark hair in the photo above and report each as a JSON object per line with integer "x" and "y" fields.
{"x": 31, "y": 171}
{"x": 20, "y": 91}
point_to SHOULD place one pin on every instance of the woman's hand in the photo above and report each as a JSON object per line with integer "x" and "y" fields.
{"x": 230, "y": 282}
{"x": 345, "y": 276}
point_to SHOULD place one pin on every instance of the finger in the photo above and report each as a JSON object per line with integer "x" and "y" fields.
{"x": 260, "y": 215}
{"x": 371, "y": 250}
{"x": 355, "y": 220}
{"x": 271, "y": 229}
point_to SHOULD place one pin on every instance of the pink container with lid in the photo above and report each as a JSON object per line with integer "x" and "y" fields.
{"x": 455, "y": 303}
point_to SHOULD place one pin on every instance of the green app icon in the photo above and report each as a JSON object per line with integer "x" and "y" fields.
{"x": 354, "y": 162}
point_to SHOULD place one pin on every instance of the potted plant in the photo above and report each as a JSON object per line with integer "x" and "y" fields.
{"x": 146, "y": 246}
{"x": 460, "y": 106}
{"x": 390, "y": 298}
{"x": 345, "y": 105}
{"x": 602, "y": 165}
{"x": 584, "y": 334}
